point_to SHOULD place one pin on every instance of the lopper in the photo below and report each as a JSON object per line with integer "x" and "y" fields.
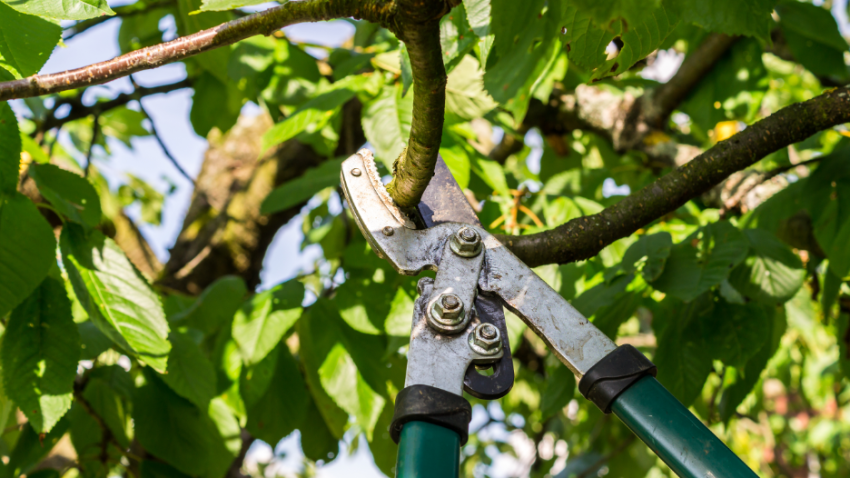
{"x": 459, "y": 324}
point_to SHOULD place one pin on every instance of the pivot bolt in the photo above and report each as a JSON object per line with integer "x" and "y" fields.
{"x": 355, "y": 172}
{"x": 388, "y": 231}
{"x": 448, "y": 309}
{"x": 485, "y": 339}
{"x": 466, "y": 242}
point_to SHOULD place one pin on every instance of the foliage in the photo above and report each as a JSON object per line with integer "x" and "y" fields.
{"x": 745, "y": 315}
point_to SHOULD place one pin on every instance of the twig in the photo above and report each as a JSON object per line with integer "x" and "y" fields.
{"x": 715, "y": 394}
{"x": 742, "y": 192}
{"x": 79, "y": 110}
{"x": 94, "y": 129}
{"x": 159, "y": 138}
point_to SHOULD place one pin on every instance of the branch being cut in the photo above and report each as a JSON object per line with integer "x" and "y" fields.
{"x": 584, "y": 237}
{"x": 265, "y": 22}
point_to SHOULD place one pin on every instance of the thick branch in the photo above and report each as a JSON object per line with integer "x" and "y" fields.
{"x": 265, "y": 22}
{"x": 584, "y": 237}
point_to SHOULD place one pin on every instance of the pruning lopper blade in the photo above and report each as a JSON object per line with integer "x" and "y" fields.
{"x": 444, "y": 202}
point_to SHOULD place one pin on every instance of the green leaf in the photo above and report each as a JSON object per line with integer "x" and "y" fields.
{"x": 610, "y": 317}
{"x": 69, "y": 193}
{"x": 317, "y": 440}
{"x": 254, "y": 380}
{"x": 748, "y": 377}
{"x": 813, "y": 37}
{"x": 117, "y": 299}
{"x": 27, "y": 250}
{"x": 456, "y": 38}
{"x": 406, "y": 70}
{"x": 29, "y": 146}
{"x": 263, "y": 320}
{"x": 226, "y": 439}
{"x": 648, "y": 254}
{"x": 158, "y": 469}
{"x": 87, "y": 436}
{"x": 831, "y": 290}
{"x": 251, "y": 57}
{"x": 384, "y": 450}
{"x": 189, "y": 21}
{"x": 690, "y": 271}
{"x": 601, "y": 295}
{"x": 344, "y": 383}
{"x": 62, "y": 10}
{"x": 318, "y": 333}
{"x": 734, "y": 333}
{"x": 41, "y": 348}
{"x": 733, "y": 17}
{"x": 150, "y": 199}
{"x": 110, "y": 405}
{"x": 215, "y": 306}
{"x": 478, "y": 16}
{"x": 32, "y": 447}
{"x": 26, "y": 41}
{"x": 465, "y": 95}
{"x": 604, "y": 12}
{"x": 314, "y": 115}
{"x": 219, "y": 5}
{"x": 640, "y": 37}
{"x": 828, "y": 198}
{"x": 386, "y": 123}
{"x": 215, "y": 104}
{"x": 281, "y": 408}
{"x": 844, "y": 344}
{"x": 123, "y": 124}
{"x": 190, "y": 374}
{"x": 773, "y": 274}
{"x": 682, "y": 357}
{"x": 10, "y": 154}
{"x": 172, "y": 429}
{"x": 141, "y": 29}
{"x": 584, "y": 39}
{"x": 558, "y": 391}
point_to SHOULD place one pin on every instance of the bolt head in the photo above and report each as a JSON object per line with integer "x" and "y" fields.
{"x": 448, "y": 308}
{"x": 466, "y": 242}
{"x": 355, "y": 172}
{"x": 487, "y": 337}
{"x": 388, "y": 231}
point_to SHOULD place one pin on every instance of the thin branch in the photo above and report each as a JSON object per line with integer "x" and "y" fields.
{"x": 159, "y": 140}
{"x": 584, "y": 237}
{"x": 79, "y": 110}
{"x": 664, "y": 99}
{"x": 94, "y": 129}
{"x": 265, "y": 22}
{"x": 761, "y": 178}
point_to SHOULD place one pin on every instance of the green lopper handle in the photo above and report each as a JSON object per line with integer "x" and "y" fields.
{"x": 688, "y": 447}
{"x": 426, "y": 450}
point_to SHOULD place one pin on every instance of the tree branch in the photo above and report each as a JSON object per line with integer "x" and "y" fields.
{"x": 265, "y": 22}
{"x": 664, "y": 99}
{"x": 79, "y": 110}
{"x": 584, "y": 237}
{"x": 421, "y": 34}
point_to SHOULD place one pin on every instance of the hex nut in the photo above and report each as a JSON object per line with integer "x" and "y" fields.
{"x": 466, "y": 242}
{"x": 448, "y": 309}
{"x": 485, "y": 339}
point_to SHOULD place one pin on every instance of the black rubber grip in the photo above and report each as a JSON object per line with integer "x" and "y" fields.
{"x": 612, "y": 375}
{"x": 424, "y": 403}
